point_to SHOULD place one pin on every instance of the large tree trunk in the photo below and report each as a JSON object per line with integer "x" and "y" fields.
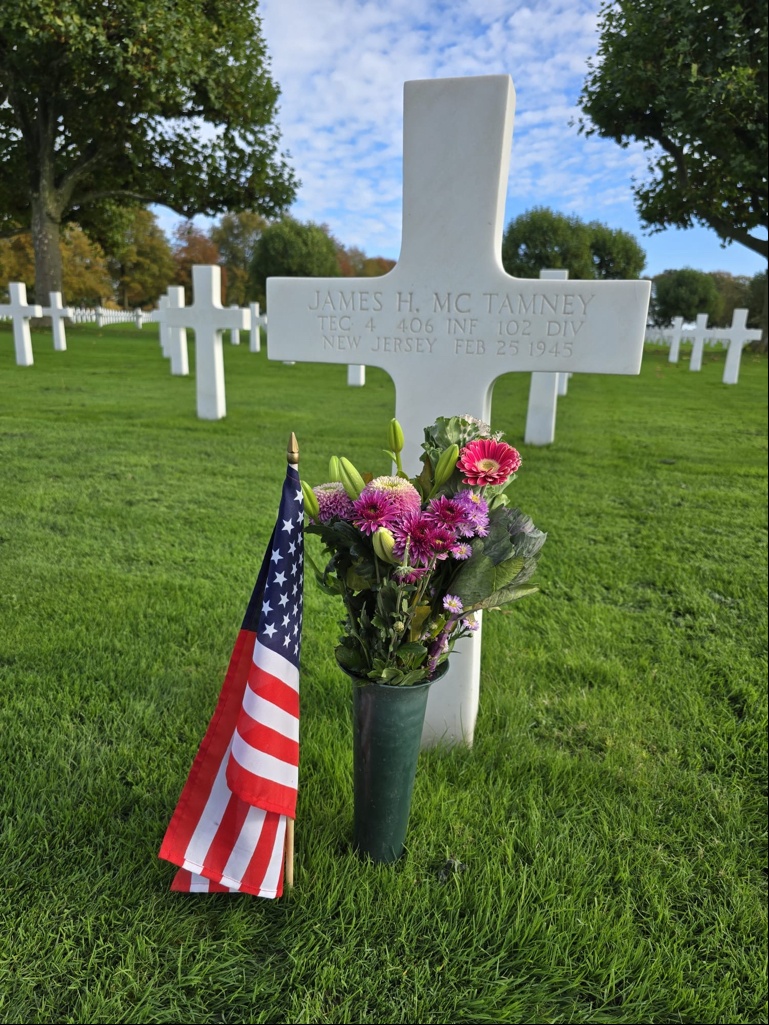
{"x": 45, "y": 239}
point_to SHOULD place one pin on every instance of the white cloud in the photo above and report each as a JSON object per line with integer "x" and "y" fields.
{"x": 341, "y": 65}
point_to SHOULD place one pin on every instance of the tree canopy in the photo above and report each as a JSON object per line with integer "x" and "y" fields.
{"x": 236, "y": 236}
{"x": 135, "y": 100}
{"x": 684, "y": 293}
{"x": 688, "y": 79}
{"x": 541, "y": 238}
{"x": 291, "y": 248}
{"x": 141, "y": 261}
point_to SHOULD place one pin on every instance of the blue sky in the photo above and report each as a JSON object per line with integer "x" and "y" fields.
{"x": 341, "y": 65}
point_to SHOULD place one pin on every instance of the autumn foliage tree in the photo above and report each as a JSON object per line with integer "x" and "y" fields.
{"x": 236, "y": 236}
{"x": 142, "y": 261}
{"x": 192, "y": 246}
{"x": 86, "y": 278}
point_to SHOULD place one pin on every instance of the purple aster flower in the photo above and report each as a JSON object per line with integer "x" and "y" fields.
{"x": 453, "y": 604}
{"x": 333, "y": 501}
{"x": 461, "y": 550}
{"x": 374, "y": 509}
{"x": 477, "y": 511}
{"x": 471, "y": 623}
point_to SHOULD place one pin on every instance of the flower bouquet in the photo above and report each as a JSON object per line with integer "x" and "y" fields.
{"x": 413, "y": 560}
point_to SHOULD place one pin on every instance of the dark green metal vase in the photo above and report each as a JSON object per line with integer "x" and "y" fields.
{"x": 386, "y": 736}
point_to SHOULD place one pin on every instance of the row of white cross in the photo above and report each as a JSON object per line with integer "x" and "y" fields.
{"x": 206, "y": 317}
{"x": 735, "y": 337}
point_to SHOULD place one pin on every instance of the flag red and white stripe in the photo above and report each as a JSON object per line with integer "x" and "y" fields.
{"x": 227, "y": 834}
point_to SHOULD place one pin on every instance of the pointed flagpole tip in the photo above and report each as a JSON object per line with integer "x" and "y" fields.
{"x": 292, "y": 452}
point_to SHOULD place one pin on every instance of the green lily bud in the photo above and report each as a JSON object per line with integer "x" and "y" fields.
{"x": 311, "y": 506}
{"x": 396, "y": 440}
{"x": 445, "y": 466}
{"x": 334, "y": 473}
{"x": 350, "y": 478}
{"x": 383, "y": 542}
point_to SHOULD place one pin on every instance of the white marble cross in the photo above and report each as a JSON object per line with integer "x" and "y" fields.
{"x": 544, "y": 391}
{"x": 447, "y": 320}
{"x": 208, "y": 319}
{"x": 698, "y": 334}
{"x": 674, "y": 333}
{"x": 176, "y": 337}
{"x": 255, "y": 337}
{"x": 162, "y": 322}
{"x": 57, "y": 312}
{"x": 234, "y": 331}
{"x": 739, "y": 335}
{"x": 20, "y": 313}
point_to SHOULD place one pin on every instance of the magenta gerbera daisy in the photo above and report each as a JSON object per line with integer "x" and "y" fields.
{"x": 487, "y": 461}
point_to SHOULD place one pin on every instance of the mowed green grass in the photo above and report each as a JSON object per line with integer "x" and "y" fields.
{"x": 597, "y": 856}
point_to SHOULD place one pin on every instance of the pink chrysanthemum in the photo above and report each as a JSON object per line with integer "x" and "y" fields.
{"x": 403, "y": 494}
{"x": 487, "y": 461}
{"x": 448, "y": 513}
{"x": 374, "y": 509}
{"x": 424, "y": 540}
{"x": 476, "y": 508}
{"x": 333, "y": 501}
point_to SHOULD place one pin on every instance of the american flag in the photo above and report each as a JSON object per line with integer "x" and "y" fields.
{"x": 227, "y": 834}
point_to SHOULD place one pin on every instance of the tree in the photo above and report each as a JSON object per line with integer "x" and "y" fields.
{"x": 142, "y": 262}
{"x": 733, "y": 292}
{"x": 688, "y": 79}
{"x": 291, "y": 248}
{"x": 683, "y": 293}
{"x": 541, "y": 238}
{"x": 86, "y": 279}
{"x": 616, "y": 253}
{"x": 236, "y": 236}
{"x": 141, "y": 101}
{"x": 757, "y": 303}
{"x": 192, "y": 246}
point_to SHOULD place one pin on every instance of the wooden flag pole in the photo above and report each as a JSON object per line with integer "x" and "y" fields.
{"x": 292, "y": 455}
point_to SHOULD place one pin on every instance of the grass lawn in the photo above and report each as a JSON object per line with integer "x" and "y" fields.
{"x": 598, "y": 855}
